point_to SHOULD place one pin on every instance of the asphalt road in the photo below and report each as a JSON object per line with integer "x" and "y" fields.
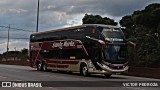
{"x": 25, "y": 73}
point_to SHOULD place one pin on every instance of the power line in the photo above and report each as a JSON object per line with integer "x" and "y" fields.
{"x": 2, "y": 43}
{"x": 19, "y": 38}
{"x": 13, "y": 38}
{"x": 5, "y": 42}
{"x": 17, "y": 29}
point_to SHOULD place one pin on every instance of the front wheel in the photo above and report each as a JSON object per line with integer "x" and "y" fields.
{"x": 84, "y": 70}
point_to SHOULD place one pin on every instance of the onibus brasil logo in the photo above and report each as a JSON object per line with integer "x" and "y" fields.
{"x": 21, "y": 84}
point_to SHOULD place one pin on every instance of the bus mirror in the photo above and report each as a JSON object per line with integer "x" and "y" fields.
{"x": 102, "y": 43}
{"x": 123, "y": 28}
{"x": 94, "y": 39}
{"x": 88, "y": 37}
{"x": 132, "y": 44}
{"x": 108, "y": 41}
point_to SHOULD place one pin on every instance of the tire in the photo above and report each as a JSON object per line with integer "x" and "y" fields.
{"x": 107, "y": 75}
{"x": 39, "y": 66}
{"x": 44, "y": 67}
{"x": 84, "y": 70}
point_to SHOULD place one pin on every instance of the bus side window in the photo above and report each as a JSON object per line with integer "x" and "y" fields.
{"x": 63, "y": 54}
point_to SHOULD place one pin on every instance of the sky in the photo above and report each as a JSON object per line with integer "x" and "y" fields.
{"x": 55, "y": 14}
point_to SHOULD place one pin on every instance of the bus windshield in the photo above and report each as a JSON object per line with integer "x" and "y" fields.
{"x": 113, "y": 34}
{"x": 115, "y": 53}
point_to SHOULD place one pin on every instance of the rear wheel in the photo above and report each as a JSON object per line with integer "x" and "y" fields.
{"x": 44, "y": 67}
{"x": 84, "y": 70}
{"x": 39, "y": 66}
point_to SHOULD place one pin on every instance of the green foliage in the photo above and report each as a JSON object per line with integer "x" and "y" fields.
{"x": 97, "y": 19}
{"x": 23, "y": 51}
{"x": 143, "y": 28}
{"x": 11, "y": 53}
{"x": 127, "y": 21}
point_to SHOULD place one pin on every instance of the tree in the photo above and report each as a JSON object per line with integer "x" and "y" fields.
{"x": 127, "y": 21}
{"x": 24, "y": 51}
{"x": 143, "y": 27}
{"x": 97, "y": 19}
{"x": 11, "y": 53}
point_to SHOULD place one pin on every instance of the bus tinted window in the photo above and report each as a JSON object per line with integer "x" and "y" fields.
{"x": 63, "y": 54}
{"x": 42, "y": 38}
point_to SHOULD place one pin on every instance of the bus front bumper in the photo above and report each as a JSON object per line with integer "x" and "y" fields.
{"x": 108, "y": 70}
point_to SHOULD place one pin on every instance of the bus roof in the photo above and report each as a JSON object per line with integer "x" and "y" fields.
{"x": 83, "y": 25}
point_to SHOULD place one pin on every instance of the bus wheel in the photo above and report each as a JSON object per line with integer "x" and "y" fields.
{"x": 107, "y": 75}
{"x": 44, "y": 67}
{"x": 84, "y": 70}
{"x": 39, "y": 66}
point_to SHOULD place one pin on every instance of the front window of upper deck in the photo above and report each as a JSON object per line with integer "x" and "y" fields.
{"x": 113, "y": 34}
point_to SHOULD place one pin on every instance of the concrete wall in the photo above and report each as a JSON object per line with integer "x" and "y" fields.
{"x": 144, "y": 72}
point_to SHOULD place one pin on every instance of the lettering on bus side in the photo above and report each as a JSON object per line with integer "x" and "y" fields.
{"x": 60, "y": 45}
{"x": 67, "y": 44}
{"x": 57, "y": 44}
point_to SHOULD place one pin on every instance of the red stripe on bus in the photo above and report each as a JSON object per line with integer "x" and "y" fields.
{"x": 63, "y": 61}
{"x": 58, "y": 66}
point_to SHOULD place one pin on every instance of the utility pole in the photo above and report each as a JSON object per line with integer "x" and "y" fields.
{"x": 37, "y": 16}
{"x": 8, "y": 39}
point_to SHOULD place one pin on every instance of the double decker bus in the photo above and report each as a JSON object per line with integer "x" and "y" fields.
{"x": 88, "y": 49}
